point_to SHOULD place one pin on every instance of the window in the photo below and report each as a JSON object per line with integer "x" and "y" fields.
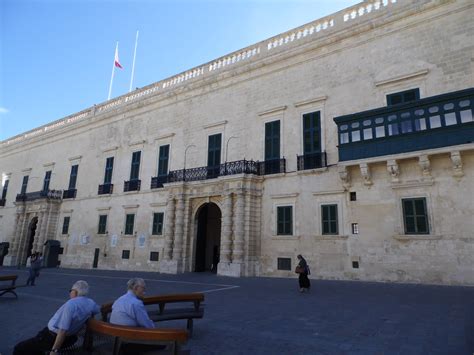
{"x": 311, "y": 133}
{"x": 329, "y": 219}
{"x": 163, "y": 158}
{"x": 125, "y": 254}
{"x": 353, "y": 196}
{"x": 109, "y": 167}
{"x": 403, "y": 97}
{"x": 129, "y": 221}
{"x": 214, "y": 155}
{"x": 5, "y": 189}
{"x": 272, "y": 140}
{"x": 102, "y": 224}
{"x": 154, "y": 256}
{"x": 47, "y": 179}
{"x": 415, "y": 216}
{"x": 66, "y": 225}
{"x": 24, "y": 184}
{"x": 73, "y": 177}
{"x": 157, "y": 223}
{"x": 284, "y": 264}
{"x": 355, "y": 228}
{"x": 285, "y": 220}
{"x": 135, "y": 168}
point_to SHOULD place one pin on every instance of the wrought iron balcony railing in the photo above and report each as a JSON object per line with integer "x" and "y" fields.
{"x": 71, "y": 193}
{"x": 105, "y": 189}
{"x": 132, "y": 185}
{"x": 2, "y": 202}
{"x": 273, "y": 166}
{"x": 48, "y": 194}
{"x": 311, "y": 161}
{"x": 158, "y": 181}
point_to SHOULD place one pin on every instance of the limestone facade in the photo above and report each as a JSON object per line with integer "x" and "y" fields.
{"x": 345, "y": 63}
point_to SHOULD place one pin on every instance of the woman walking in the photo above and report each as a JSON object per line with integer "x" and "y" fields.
{"x": 35, "y": 267}
{"x": 303, "y": 270}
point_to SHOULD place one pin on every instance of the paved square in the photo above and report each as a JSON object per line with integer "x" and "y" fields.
{"x": 269, "y": 315}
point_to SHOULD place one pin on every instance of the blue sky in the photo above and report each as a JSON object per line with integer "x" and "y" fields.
{"x": 56, "y": 56}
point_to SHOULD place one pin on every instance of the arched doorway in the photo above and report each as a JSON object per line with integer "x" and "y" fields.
{"x": 208, "y": 239}
{"x": 31, "y": 238}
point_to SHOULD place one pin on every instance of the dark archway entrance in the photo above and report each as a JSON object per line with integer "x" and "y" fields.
{"x": 31, "y": 237}
{"x": 208, "y": 241}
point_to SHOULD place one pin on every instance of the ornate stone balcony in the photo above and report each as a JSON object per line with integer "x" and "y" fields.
{"x": 43, "y": 194}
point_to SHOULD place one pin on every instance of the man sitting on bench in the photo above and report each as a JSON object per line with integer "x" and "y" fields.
{"x": 129, "y": 310}
{"x": 63, "y": 326}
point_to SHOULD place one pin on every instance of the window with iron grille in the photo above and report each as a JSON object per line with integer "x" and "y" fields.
{"x": 285, "y": 220}
{"x": 125, "y": 254}
{"x": 154, "y": 256}
{"x": 284, "y": 263}
{"x": 157, "y": 223}
{"x": 66, "y": 225}
{"x": 272, "y": 140}
{"x": 109, "y": 168}
{"x": 129, "y": 221}
{"x": 24, "y": 184}
{"x": 415, "y": 216}
{"x": 312, "y": 133}
{"x": 135, "y": 167}
{"x": 102, "y": 224}
{"x": 73, "y": 177}
{"x": 329, "y": 219}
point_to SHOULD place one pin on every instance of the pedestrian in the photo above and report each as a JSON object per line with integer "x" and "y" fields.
{"x": 35, "y": 265}
{"x": 303, "y": 270}
{"x": 63, "y": 326}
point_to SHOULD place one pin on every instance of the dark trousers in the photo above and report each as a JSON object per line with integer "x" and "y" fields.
{"x": 43, "y": 341}
{"x": 31, "y": 277}
{"x": 304, "y": 281}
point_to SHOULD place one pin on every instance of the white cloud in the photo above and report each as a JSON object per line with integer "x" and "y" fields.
{"x": 3, "y": 110}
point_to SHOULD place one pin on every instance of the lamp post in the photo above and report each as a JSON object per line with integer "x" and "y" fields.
{"x": 226, "y": 150}
{"x": 185, "y": 152}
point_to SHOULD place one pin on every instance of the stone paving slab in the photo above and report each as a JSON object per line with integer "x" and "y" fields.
{"x": 269, "y": 315}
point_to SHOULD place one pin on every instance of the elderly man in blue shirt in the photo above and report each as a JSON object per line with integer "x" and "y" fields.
{"x": 129, "y": 310}
{"x": 63, "y": 326}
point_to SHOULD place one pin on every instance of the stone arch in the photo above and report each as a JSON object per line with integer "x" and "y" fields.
{"x": 207, "y": 220}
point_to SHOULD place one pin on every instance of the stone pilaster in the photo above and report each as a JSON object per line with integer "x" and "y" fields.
{"x": 179, "y": 229}
{"x": 169, "y": 228}
{"x": 226, "y": 237}
{"x": 238, "y": 247}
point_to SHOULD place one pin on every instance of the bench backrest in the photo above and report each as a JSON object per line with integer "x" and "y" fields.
{"x": 9, "y": 278}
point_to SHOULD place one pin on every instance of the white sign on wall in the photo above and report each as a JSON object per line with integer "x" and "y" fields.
{"x": 113, "y": 240}
{"x": 141, "y": 240}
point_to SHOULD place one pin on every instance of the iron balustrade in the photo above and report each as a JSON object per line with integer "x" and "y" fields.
{"x": 71, "y": 193}
{"x": 311, "y": 161}
{"x": 158, "y": 181}
{"x": 105, "y": 189}
{"x": 132, "y": 185}
{"x": 48, "y": 194}
{"x": 273, "y": 166}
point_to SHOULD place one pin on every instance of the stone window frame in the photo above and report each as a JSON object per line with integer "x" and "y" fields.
{"x": 425, "y": 215}
{"x": 326, "y": 205}
{"x": 105, "y": 231}
{"x": 283, "y": 201}
{"x": 129, "y": 213}
{"x": 336, "y": 197}
{"x": 274, "y": 114}
{"x": 109, "y": 153}
{"x": 317, "y": 104}
{"x": 160, "y": 141}
{"x": 162, "y": 226}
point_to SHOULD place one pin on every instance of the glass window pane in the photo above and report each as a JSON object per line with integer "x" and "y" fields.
{"x": 449, "y": 106}
{"x": 420, "y": 124}
{"x": 367, "y": 122}
{"x": 344, "y": 137}
{"x": 408, "y": 207}
{"x": 355, "y": 125}
{"x": 433, "y": 109}
{"x": 407, "y": 127}
{"x": 392, "y": 118}
{"x": 392, "y": 129}
{"x": 464, "y": 103}
{"x": 379, "y": 120}
{"x": 421, "y": 226}
{"x": 368, "y": 133}
{"x": 343, "y": 127}
{"x": 435, "y": 121}
{"x": 355, "y": 136}
{"x": 380, "y": 131}
{"x": 405, "y": 115}
{"x": 450, "y": 119}
{"x": 419, "y": 112}
{"x": 466, "y": 116}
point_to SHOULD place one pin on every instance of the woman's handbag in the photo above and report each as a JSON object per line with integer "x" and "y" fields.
{"x": 299, "y": 270}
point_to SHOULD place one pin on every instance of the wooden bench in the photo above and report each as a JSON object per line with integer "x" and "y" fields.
{"x": 163, "y": 313}
{"x": 172, "y": 338}
{"x": 8, "y": 288}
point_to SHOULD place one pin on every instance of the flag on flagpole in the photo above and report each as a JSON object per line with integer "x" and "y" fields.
{"x": 116, "y": 60}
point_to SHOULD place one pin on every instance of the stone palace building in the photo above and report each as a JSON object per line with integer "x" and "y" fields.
{"x": 349, "y": 140}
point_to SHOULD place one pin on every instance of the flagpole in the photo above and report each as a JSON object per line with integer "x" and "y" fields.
{"x": 133, "y": 65}
{"x": 113, "y": 71}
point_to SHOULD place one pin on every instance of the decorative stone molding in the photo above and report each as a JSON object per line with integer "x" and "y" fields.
{"x": 415, "y": 237}
{"x": 365, "y": 172}
{"x": 107, "y": 150}
{"x": 272, "y": 111}
{"x": 165, "y": 136}
{"x": 413, "y": 184}
{"x": 215, "y": 124}
{"x": 158, "y": 204}
{"x": 26, "y": 171}
{"x": 345, "y": 176}
{"x": 425, "y": 165}
{"x": 129, "y": 207}
{"x": 310, "y": 101}
{"x": 290, "y": 195}
{"x": 393, "y": 170}
{"x": 75, "y": 160}
{"x": 457, "y": 164}
{"x": 328, "y": 192}
{"x": 49, "y": 166}
{"x": 103, "y": 208}
{"x": 136, "y": 144}
{"x": 402, "y": 77}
